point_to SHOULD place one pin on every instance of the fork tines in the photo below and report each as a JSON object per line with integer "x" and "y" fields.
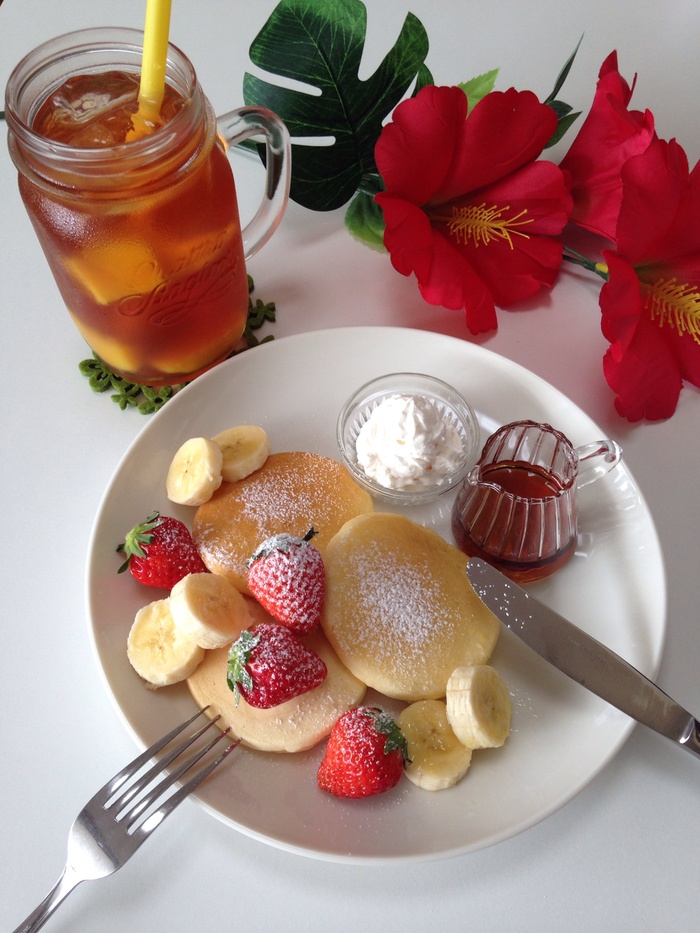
{"x": 108, "y": 799}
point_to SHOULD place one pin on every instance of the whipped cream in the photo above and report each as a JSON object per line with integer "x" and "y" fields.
{"x": 407, "y": 443}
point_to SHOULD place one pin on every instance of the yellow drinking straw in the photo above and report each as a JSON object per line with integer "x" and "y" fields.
{"x": 155, "y": 53}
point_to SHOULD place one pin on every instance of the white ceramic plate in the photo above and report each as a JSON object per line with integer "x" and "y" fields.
{"x": 562, "y": 736}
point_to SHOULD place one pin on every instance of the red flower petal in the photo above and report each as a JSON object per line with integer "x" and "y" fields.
{"x": 408, "y": 235}
{"x": 645, "y": 377}
{"x": 620, "y": 301}
{"x": 452, "y": 283}
{"x": 508, "y": 250}
{"x": 503, "y": 132}
{"x": 683, "y": 238}
{"x": 655, "y": 186}
{"x": 512, "y": 275}
{"x": 444, "y": 278}
{"x": 414, "y": 151}
{"x": 539, "y": 191}
{"x": 650, "y": 353}
{"x": 609, "y": 136}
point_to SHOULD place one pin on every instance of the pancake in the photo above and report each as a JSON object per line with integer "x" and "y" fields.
{"x": 293, "y": 726}
{"x": 399, "y": 609}
{"x": 291, "y": 492}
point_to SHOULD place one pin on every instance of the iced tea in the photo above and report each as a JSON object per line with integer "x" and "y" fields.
{"x": 151, "y": 268}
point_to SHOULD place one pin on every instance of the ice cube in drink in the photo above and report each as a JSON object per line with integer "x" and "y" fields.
{"x": 96, "y": 110}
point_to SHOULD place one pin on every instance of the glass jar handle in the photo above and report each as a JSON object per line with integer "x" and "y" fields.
{"x": 244, "y": 123}
{"x": 596, "y": 459}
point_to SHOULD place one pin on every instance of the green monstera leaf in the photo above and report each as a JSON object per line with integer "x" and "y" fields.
{"x": 319, "y": 43}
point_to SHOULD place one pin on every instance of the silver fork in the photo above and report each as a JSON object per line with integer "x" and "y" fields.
{"x": 107, "y": 831}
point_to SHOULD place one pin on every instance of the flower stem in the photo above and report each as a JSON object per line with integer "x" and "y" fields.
{"x": 600, "y": 268}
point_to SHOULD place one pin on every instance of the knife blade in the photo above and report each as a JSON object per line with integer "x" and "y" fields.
{"x": 581, "y": 657}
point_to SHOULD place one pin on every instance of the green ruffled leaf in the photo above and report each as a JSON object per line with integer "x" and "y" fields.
{"x": 479, "y": 87}
{"x": 320, "y": 43}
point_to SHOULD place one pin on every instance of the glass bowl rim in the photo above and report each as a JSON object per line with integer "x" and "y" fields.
{"x": 409, "y": 383}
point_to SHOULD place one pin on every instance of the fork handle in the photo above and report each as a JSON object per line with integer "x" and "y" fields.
{"x": 38, "y": 917}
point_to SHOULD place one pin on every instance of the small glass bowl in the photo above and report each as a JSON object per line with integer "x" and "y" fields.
{"x": 449, "y": 402}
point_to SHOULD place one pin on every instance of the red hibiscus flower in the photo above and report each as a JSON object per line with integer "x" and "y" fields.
{"x": 609, "y": 136}
{"x": 651, "y": 302}
{"x": 467, "y": 208}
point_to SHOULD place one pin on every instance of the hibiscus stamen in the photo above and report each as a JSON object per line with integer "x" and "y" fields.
{"x": 481, "y": 224}
{"x": 674, "y": 303}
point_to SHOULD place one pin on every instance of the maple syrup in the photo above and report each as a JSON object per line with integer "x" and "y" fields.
{"x": 518, "y": 516}
{"x": 522, "y": 479}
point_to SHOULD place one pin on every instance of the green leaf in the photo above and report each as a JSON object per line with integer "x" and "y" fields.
{"x": 423, "y": 79}
{"x": 364, "y": 219}
{"x": 564, "y": 73}
{"x": 565, "y": 122}
{"x": 563, "y": 111}
{"x": 479, "y": 87}
{"x": 320, "y": 44}
{"x": 560, "y": 108}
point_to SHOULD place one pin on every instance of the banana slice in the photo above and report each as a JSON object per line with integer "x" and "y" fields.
{"x": 245, "y": 448}
{"x": 209, "y": 610}
{"x": 195, "y": 472}
{"x": 478, "y": 706}
{"x": 438, "y": 758}
{"x": 156, "y": 649}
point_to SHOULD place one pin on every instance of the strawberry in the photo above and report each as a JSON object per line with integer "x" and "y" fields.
{"x": 366, "y": 754}
{"x": 160, "y": 552}
{"x": 287, "y": 577}
{"x": 269, "y": 664}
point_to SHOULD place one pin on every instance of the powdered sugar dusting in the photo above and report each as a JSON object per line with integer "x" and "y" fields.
{"x": 402, "y": 621}
{"x": 282, "y": 494}
{"x": 290, "y": 583}
{"x": 293, "y": 492}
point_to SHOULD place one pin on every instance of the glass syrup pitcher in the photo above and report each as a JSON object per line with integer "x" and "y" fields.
{"x": 517, "y": 507}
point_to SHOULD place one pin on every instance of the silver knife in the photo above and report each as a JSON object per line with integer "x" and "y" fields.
{"x": 581, "y": 657}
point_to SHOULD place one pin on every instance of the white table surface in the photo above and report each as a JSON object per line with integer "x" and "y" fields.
{"x": 623, "y": 855}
